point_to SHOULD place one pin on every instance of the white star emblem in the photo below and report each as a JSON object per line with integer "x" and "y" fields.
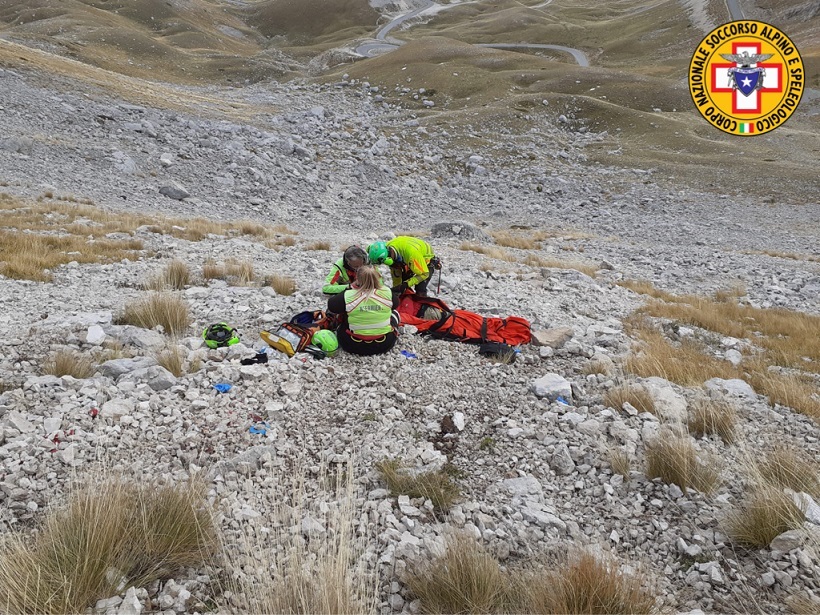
{"x": 747, "y": 82}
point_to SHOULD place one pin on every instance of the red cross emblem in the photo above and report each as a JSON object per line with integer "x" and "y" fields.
{"x": 772, "y": 80}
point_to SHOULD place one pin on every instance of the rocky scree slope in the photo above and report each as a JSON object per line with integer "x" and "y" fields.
{"x": 339, "y": 165}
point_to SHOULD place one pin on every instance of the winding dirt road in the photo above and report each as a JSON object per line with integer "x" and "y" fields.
{"x": 385, "y": 44}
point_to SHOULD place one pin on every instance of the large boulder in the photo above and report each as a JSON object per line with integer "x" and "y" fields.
{"x": 117, "y": 408}
{"x": 553, "y": 338}
{"x": 146, "y": 339}
{"x": 670, "y": 404}
{"x": 119, "y": 367}
{"x": 175, "y": 190}
{"x": 561, "y": 461}
{"x": 459, "y": 230}
{"x": 157, "y": 377}
{"x": 552, "y": 386}
{"x": 734, "y": 387}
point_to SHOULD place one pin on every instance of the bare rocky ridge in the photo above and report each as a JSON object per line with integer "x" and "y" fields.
{"x": 340, "y": 163}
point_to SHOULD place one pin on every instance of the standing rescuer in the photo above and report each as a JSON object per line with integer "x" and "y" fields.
{"x": 411, "y": 262}
{"x": 368, "y": 321}
{"x": 343, "y": 272}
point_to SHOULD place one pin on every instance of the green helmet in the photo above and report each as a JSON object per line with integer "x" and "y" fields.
{"x": 326, "y": 340}
{"x": 377, "y": 252}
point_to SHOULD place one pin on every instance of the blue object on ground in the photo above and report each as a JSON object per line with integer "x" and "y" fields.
{"x": 222, "y": 387}
{"x": 259, "y": 428}
{"x": 408, "y": 354}
{"x": 561, "y": 400}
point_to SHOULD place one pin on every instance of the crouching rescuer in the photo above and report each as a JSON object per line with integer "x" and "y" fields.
{"x": 343, "y": 272}
{"x": 369, "y": 324}
{"x": 411, "y": 262}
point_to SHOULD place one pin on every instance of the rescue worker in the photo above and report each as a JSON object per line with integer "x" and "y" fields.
{"x": 411, "y": 262}
{"x": 369, "y": 324}
{"x": 343, "y": 273}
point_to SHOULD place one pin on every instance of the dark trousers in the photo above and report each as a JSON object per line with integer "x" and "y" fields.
{"x": 380, "y": 345}
{"x": 421, "y": 287}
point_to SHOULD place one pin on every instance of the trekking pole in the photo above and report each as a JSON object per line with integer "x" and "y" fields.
{"x": 438, "y": 288}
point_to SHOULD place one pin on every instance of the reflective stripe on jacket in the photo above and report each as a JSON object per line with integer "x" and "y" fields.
{"x": 339, "y": 278}
{"x": 369, "y": 313}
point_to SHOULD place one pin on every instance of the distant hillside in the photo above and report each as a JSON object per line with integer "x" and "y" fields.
{"x": 192, "y": 41}
{"x": 304, "y": 21}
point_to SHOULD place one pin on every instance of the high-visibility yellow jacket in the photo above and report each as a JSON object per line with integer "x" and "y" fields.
{"x": 339, "y": 278}
{"x": 369, "y": 313}
{"x": 415, "y": 256}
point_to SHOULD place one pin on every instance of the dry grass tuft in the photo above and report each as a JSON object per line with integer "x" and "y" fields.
{"x": 175, "y": 276}
{"x": 254, "y": 229}
{"x": 491, "y": 251}
{"x": 31, "y": 256}
{"x": 646, "y": 288}
{"x": 688, "y": 363}
{"x": 283, "y": 229}
{"x": 436, "y": 486}
{"x": 509, "y": 240}
{"x": 730, "y": 294}
{"x": 320, "y": 569}
{"x": 791, "y": 390}
{"x": 235, "y": 272}
{"x": 38, "y": 237}
{"x": 636, "y": 396}
{"x": 318, "y": 245}
{"x": 69, "y": 363}
{"x": 465, "y": 579}
{"x": 212, "y": 271}
{"x": 766, "y": 513}
{"x": 588, "y": 584}
{"x": 172, "y": 358}
{"x": 597, "y": 366}
{"x": 620, "y": 461}
{"x": 788, "y": 338}
{"x": 239, "y": 273}
{"x": 109, "y": 536}
{"x": 286, "y": 241}
{"x": 674, "y": 460}
{"x": 707, "y": 417}
{"x": 787, "y": 255}
{"x": 168, "y": 311}
{"x": 113, "y": 349}
{"x": 283, "y": 285}
{"x": 786, "y": 466}
{"x": 533, "y": 260}
{"x": 803, "y": 604}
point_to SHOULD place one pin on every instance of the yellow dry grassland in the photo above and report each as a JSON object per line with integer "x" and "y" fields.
{"x": 37, "y": 237}
{"x": 783, "y": 362}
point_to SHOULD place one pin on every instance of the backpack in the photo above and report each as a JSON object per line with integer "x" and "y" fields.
{"x": 296, "y": 335}
{"x": 316, "y": 319}
{"x": 498, "y": 351}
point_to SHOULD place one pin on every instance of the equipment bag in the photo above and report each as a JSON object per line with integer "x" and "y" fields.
{"x": 288, "y": 338}
{"x": 296, "y": 335}
{"x": 498, "y": 351}
{"x": 461, "y": 325}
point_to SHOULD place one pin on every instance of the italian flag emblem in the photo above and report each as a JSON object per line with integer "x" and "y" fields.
{"x": 746, "y": 128}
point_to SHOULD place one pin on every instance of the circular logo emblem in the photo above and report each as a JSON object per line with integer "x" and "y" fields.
{"x": 746, "y": 77}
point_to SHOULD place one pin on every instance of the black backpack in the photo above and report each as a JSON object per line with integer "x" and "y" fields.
{"x": 498, "y": 351}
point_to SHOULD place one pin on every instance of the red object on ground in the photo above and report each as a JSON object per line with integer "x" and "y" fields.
{"x": 462, "y": 325}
